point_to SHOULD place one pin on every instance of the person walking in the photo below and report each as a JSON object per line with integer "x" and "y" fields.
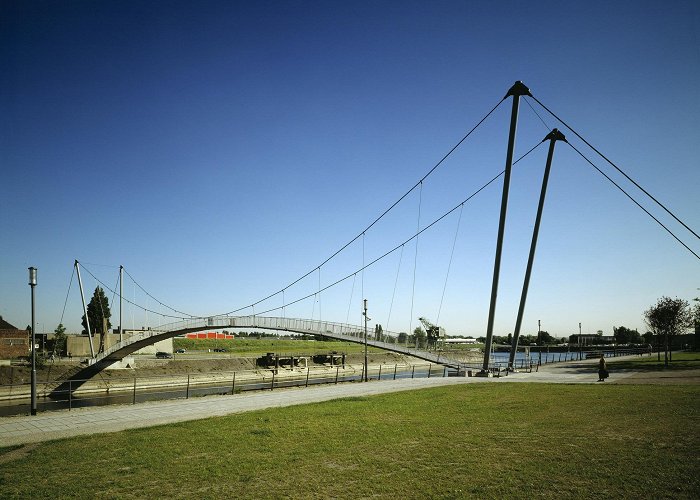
{"x": 602, "y": 369}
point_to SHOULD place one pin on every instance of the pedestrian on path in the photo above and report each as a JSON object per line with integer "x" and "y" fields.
{"x": 602, "y": 369}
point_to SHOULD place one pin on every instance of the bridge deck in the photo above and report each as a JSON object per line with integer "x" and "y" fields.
{"x": 336, "y": 331}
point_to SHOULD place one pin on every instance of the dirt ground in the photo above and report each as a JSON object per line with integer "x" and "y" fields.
{"x": 148, "y": 366}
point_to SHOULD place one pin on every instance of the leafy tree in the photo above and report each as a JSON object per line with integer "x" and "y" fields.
{"x": 668, "y": 317}
{"x": 378, "y": 330}
{"x": 419, "y": 336}
{"x": 59, "y": 339}
{"x": 545, "y": 338}
{"x": 497, "y": 339}
{"x": 97, "y": 309}
{"x": 626, "y": 336}
{"x": 403, "y": 337}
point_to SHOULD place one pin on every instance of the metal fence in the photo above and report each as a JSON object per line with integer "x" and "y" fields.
{"x": 14, "y": 398}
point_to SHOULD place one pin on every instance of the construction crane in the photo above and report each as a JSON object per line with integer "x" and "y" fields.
{"x": 435, "y": 333}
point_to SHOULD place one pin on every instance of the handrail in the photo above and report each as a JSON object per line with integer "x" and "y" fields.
{"x": 339, "y": 331}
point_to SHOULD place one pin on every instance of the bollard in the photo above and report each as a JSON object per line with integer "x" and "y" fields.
{"x": 430, "y": 366}
{"x": 134, "y": 398}
{"x": 413, "y": 371}
{"x": 308, "y": 369}
{"x": 272, "y": 385}
{"x": 233, "y": 385}
{"x": 395, "y": 372}
{"x": 337, "y": 369}
{"x": 187, "y": 392}
{"x": 444, "y": 372}
{"x": 70, "y": 395}
{"x": 380, "y": 373}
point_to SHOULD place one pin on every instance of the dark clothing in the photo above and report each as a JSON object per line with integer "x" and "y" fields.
{"x": 602, "y": 370}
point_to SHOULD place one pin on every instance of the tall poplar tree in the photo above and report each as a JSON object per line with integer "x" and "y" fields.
{"x": 97, "y": 309}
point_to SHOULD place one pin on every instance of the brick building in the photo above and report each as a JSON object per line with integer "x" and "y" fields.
{"x": 14, "y": 343}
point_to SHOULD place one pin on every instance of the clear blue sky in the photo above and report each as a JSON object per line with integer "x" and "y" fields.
{"x": 219, "y": 150}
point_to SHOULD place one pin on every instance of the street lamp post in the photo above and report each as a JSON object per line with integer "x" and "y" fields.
{"x": 364, "y": 313}
{"x": 539, "y": 341}
{"x": 579, "y": 341}
{"x": 32, "y": 283}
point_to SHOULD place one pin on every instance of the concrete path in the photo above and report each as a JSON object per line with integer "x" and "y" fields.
{"x": 82, "y": 421}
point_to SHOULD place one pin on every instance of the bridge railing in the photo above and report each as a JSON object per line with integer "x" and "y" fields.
{"x": 386, "y": 340}
{"x": 131, "y": 339}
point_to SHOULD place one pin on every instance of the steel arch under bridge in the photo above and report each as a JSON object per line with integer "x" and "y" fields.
{"x": 326, "y": 329}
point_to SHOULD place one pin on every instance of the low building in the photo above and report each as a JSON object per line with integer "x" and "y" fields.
{"x": 209, "y": 335}
{"x": 591, "y": 339}
{"x": 14, "y": 343}
{"x": 79, "y": 345}
{"x": 459, "y": 340}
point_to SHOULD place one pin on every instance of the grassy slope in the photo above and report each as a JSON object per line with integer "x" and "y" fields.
{"x": 485, "y": 440}
{"x": 250, "y": 347}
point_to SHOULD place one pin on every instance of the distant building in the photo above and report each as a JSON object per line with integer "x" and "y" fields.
{"x": 14, "y": 343}
{"x": 591, "y": 339}
{"x": 209, "y": 335}
{"x": 453, "y": 340}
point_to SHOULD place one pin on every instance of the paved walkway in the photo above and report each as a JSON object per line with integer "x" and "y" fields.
{"x": 82, "y": 421}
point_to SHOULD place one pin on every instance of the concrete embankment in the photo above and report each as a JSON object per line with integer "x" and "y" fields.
{"x": 149, "y": 373}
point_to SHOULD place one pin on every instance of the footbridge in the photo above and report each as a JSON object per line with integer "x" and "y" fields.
{"x": 322, "y": 329}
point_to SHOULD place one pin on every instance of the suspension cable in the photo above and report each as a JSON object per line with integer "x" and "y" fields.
{"x": 362, "y": 275}
{"x": 633, "y": 200}
{"x": 320, "y": 317}
{"x": 459, "y": 143}
{"x": 618, "y": 169}
{"x": 538, "y": 115}
{"x": 352, "y": 292}
{"x": 365, "y": 266}
{"x": 114, "y": 293}
{"x": 151, "y": 296}
{"x": 67, "y": 293}
{"x": 415, "y": 259}
{"x": 449, "y": 265}
{"x": 134, "y": 303}
{"x": 396, "y": 281}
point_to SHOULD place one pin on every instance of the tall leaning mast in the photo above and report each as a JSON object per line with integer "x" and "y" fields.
{"x": 516, "y": 91}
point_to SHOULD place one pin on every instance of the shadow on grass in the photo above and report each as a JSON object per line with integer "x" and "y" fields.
{"x": 681, "y": 361}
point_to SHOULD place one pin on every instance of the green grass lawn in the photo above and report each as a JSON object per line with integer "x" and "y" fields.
{"x": 681, "y": 361}
{"x": 467, "y": 441}
{"x": 255, "y": 347}
{"x": 251, "y": 347}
